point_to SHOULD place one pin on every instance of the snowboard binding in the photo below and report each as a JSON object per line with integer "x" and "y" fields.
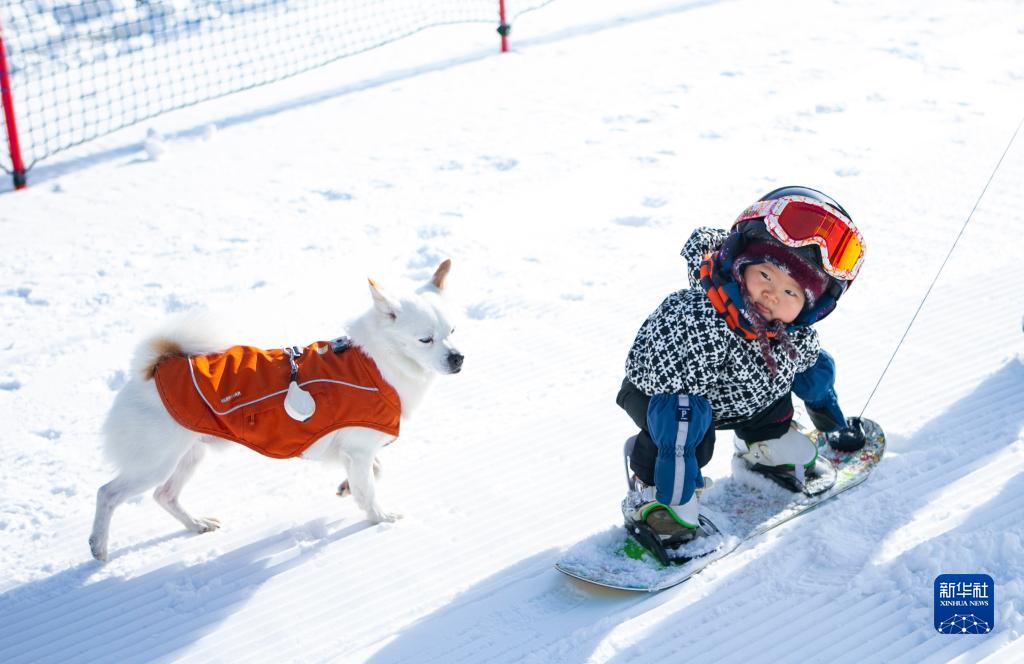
{"x": 813, "y": 481}
{"x": 643, "y": 540}
{"x": 681, "y": 547}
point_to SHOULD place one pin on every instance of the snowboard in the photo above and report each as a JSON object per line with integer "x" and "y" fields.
{"x": 738, "y": 508}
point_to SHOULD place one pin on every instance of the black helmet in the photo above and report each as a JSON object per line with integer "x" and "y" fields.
{"x": 748, "y": 230}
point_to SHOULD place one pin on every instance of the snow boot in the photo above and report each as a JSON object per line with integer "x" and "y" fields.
{"x": 673, "y": 525}
{"x": 657, "y": 528}
{"x": 793, "y": 450}
{"x": 791, "y": 461}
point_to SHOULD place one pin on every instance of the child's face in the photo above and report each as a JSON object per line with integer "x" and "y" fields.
{"x": 776, "y": 295}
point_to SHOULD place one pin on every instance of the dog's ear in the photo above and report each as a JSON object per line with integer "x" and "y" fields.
{"x": 382, "y": 302}
{"x": 441, "y": 274}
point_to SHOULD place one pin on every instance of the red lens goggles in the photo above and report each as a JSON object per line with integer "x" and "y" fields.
{"x": 797, "y": 221}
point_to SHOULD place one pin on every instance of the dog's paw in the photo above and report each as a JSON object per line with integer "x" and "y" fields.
{"x": 205, "y": 525}
{"x": 384, "y": 517}
{"x": 99, "y": 551}
{"x": 344, "y": 490}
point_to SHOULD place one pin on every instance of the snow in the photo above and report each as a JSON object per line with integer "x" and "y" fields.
{"x": 561, "y": 179}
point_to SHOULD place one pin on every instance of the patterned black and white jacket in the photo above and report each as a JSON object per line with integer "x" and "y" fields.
{"x": 685, "y": 347}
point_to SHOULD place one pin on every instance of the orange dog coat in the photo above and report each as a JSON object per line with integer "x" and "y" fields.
{"x": 239, "y": 394}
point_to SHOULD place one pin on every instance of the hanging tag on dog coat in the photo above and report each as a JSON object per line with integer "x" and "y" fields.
{"x": 298, "y": 403}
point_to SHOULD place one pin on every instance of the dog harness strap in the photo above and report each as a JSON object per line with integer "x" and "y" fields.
{"x": 298, "y": 403}
{"x": 292, "y": 353}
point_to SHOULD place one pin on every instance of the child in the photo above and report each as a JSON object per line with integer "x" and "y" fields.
{"x": 728, "y": 352}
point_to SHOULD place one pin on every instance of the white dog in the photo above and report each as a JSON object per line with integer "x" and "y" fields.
{"x": 408, "y": 339}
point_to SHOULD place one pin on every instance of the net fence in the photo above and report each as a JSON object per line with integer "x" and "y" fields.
{"x": 80, "y": 69}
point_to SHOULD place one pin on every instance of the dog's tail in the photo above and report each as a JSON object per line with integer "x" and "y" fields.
{"x": 191, "y": 334}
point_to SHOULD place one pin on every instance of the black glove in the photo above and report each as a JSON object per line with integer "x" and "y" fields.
{"x": 848, "y": 439}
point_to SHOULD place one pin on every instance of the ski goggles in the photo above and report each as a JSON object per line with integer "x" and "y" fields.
{"x": 798, "y": 221}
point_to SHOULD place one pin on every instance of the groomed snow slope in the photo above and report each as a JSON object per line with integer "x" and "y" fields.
{"x": 562, "y": 180}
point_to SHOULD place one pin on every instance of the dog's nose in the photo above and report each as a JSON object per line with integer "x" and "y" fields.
{"x": 455, "y": 362}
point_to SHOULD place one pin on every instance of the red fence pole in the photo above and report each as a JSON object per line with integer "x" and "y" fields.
{"x": 503, "y": 28}
{"x": 12, "y": 128}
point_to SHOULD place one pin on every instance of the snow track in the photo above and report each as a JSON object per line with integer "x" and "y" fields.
{"x": 562, "y": 180}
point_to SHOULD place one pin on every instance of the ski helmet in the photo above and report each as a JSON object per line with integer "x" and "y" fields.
{"x": 830, "y": 242}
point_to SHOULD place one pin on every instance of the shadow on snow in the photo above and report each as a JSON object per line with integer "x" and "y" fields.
{"x": 153, "y": 615}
